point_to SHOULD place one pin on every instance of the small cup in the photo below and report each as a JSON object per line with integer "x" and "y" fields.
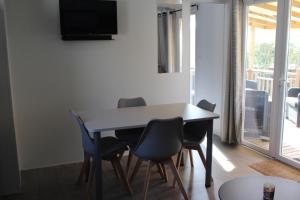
{"x": 269, "y": 191}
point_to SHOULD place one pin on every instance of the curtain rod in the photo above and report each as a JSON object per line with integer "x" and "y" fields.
{"x": 174, "y": 11}
{"x": 194, "y": 5}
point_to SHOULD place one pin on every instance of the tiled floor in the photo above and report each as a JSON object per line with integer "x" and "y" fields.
{"x": 58, "y": 182}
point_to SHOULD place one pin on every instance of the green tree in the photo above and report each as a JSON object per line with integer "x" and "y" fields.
{"x": 294, "y": 55}
{"x": 264, "y": 55}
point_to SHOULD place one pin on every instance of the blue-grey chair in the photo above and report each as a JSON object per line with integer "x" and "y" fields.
{"x": 112, "y": 150}
{"x": 194, "y": 134}
{"x": 160, "y": 140}
{"x": 251, "y": 84}
{"x": 130, "y": 136}
{"x": 293, "y": 105}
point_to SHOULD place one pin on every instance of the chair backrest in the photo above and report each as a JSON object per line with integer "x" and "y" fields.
{"x": 250, "y": 84}
{"x": 206, "y": 105}
{"x": 256, "y": 99}
{"x": 87, "y": 142}
{"x": 161, "y": 139}
{"x": 293, "y": 92}
{"x": 131, "y": 102}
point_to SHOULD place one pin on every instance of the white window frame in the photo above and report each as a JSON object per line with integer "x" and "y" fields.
{"x": 278, "y": 49}
{"x": 279, "y": 81}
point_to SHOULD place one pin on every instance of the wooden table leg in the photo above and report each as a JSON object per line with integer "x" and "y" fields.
{"x": 209, "y": 153}
{"x": 98, "y": 171}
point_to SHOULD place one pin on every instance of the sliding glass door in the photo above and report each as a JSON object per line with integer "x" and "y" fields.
{"x": 272, "y": 92}
{"x": 260, "y": 58}
{"x": 289, "y": 140}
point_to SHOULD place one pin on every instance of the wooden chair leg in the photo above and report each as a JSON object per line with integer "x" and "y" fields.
{"x": 179, "y": 155}
{"x": 128, "y": 161}
{"x": 136, "y": 169}
{"x": 178, "y": 163}
{"x": 82, "y": 170}
{"x": 90, "y": 179}
{"x": 176, "y": 175}
{"x": 148, "y": 175}
{"x": 201, "y": 156}
{"x": 182, "y": 159}
{"x": 87, "y": 168}
{"x": 191, "y": 158}
{"x": 115, "y": 169}
{"x": 122, "y": 174}
{"x": 121, "y": 155}
{"x": 165, "y": 172}
{"x": 160, "y": 170}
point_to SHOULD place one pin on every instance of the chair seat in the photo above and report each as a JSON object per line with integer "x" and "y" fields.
{"x": 194, "y": 133}
{"x": 292, "y": 101}
{"x": 129, "y": 136}
{"x": 192, "y": 140}
{"x": 111, "y": 146}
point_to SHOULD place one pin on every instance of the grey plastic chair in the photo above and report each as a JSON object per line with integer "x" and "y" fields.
{"x": 251, "y": 84}
{"x": 161, "y": 140}
{"x": 293, "y": 105}
{"x": 130, "y": 136}
{"x": 195, "y": 132}
{"x": 112, "y": 149}
{"x": 294, "y": 92}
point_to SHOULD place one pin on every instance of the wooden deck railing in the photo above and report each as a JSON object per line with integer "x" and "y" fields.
{"x": 264, "y": 79}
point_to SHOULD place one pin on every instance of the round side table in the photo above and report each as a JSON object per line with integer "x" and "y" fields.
{"x": 251, "y": 188}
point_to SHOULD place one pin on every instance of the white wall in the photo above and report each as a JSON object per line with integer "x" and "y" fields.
{"x": 49, "y": 76}
{"x": 9, "y": 169}
{"x": 210, "y": 66}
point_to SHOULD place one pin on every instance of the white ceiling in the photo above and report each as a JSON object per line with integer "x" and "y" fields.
{"x": 208, "y": 1}
{"x": 192, "y": 1}
{"x": 169, "y": 2}
{"x": 177, "y": 4}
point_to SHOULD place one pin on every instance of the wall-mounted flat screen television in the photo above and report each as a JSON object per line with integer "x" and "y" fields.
{"x": 88, "y": 19}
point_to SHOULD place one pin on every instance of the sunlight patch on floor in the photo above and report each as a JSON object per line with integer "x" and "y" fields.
{"x": 220, "y": 157}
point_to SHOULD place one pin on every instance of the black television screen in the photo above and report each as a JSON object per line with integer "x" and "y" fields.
{"x": 88, "y": 17}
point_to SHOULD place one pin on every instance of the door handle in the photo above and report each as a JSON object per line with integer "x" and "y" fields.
{"x": 282, "y": 82}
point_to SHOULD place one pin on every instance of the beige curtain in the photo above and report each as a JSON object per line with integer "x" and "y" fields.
{"x": 233, "y": 105}
{"x": 168, "y": 41}
{"x": 174, "y": 41}
{"x": 162, "y": 22}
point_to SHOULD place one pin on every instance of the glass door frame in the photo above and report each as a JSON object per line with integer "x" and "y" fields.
{"x": 282, "y": 60}
{"x": 248, "y": 3}
{"x": 279, "y": 79}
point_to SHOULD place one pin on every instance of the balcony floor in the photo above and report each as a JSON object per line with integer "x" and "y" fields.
{"x": 291, "y": 141}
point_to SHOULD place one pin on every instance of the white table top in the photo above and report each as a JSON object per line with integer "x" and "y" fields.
{"x": 251, "y": 188}
{"x": 134, "y": 117}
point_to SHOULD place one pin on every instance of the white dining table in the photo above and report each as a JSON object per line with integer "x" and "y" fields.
{"x": 97, "y": 122}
